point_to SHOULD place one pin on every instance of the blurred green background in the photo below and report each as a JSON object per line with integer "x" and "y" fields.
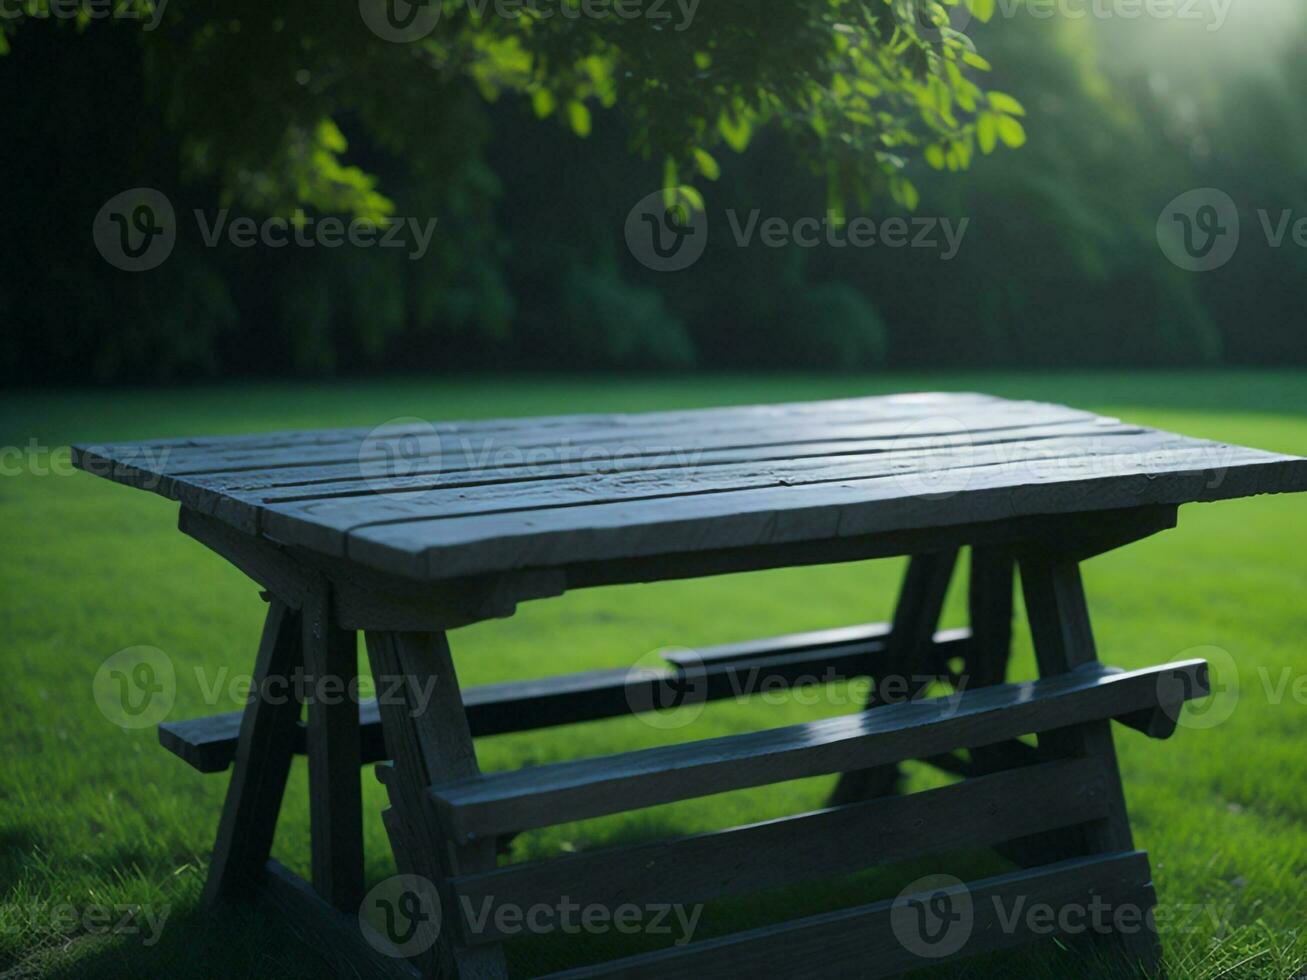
{"x": 529, "y": 270}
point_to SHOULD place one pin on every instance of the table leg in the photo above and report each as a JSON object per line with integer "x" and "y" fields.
{"x": 263, "y": 756}
{"x": 427, "y": 735}
{"x": 333, "y": 747}
{"x": 907, "y": 656}
{"x": 1063, "y": 639}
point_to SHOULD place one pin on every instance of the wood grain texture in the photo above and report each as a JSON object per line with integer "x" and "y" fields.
{"x": 481, "y": 498}
{"x": 483, "y": 806}
{"x": 861, "y": 942}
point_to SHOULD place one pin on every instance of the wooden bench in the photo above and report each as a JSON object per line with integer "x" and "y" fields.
{"x": 342, "y": 539}
{"x": 714, "y": 673}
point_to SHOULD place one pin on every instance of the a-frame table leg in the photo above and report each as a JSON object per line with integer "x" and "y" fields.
{"x": 427, "y": 735}
{"x": 1063, "y": 639}
{"x": 908, "y": 648}
{"x": 263, "y": 755}
{"x": 334, "y": 751}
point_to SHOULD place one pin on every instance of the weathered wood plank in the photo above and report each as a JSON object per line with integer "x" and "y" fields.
{"x": 812, "y": 846}
{"x": 458, "y": 546}
{"x": 862, "y": 941}
{"x": 483, "y": 806}
{"x": 465, "y": 468}
{"x": 263, "y": 755}
{"x": 323, "y": 524}
{"x": 421, "y": 440}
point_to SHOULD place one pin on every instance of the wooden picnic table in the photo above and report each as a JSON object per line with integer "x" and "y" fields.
{"x": 411, "y": 530}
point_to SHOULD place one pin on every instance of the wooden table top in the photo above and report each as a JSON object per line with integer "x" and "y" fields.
{"x": 456, "y": 499}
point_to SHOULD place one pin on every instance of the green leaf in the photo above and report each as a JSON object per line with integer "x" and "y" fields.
{"x": 1002, "y": 102}
{"x": 4, "y": 43}
{"x": 935, "y": 156}
{"x": 543, "y": 102}
{"x": 987, "y": 132}
{"x": 903, "y": 191}
{"x": 983, "y": 10}
{"x": 707, "y": 165}
{"x": 976, "y": 61}
{"x": 1011, "y": 132}
{"x": 736, "y": 130}
{"x": 688, "y": 196}
{"x": 671, "y": 177}
{"x": 578, "y": 116}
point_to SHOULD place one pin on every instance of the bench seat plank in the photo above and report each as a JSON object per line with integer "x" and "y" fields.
{"x": 491, "y": 804}
{"x": 208, "y": 743}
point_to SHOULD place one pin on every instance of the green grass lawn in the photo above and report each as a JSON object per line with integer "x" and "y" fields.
{"x": 93, "y": 817}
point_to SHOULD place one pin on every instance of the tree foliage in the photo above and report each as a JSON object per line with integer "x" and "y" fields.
{"x": 257, "y": 93}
